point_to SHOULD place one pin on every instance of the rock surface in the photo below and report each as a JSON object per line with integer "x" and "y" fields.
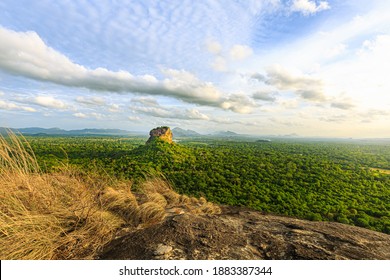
{"x": 163, "y": 133}
{"x": 240, "y": 233}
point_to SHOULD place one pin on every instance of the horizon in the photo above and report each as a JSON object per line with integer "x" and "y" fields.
{"x": 279, "y": 67}
{"x": 204, "y": 133}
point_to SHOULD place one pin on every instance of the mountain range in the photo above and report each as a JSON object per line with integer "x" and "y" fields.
{"x": 177, "y": 132}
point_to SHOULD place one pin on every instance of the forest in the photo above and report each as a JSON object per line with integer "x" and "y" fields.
{"x": 341, "y": 181}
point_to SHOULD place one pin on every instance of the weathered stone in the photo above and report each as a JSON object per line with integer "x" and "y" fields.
{"x": 163, "y": 133}
{"x": 162, "y": 250}
{"x": 245, "y": 234}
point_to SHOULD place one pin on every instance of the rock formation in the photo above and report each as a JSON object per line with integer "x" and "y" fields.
{"x": 163, "y": 133}
{"x": 240, "y": 233}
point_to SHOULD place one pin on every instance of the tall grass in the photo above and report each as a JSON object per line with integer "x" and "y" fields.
{"x": 67, "y": 215}
{"x": 46, "y": 216}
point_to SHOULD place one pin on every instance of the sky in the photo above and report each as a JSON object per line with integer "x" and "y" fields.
{"x": 262, "y": 67}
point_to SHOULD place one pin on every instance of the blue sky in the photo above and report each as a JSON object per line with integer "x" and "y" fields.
{"x": 315, "y": 68}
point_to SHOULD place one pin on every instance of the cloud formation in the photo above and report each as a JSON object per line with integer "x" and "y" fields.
{"x": 93, "y": 115}
{"x": 343, "y": 105}
{"x": 229, "y": 121}
{"x": 48, "y": 102}
{"x": 149, "y": 106}
{"x": 133, "y": 118}
{"x": 305, "y": 86}
{"x": 240, "y": 52}
{"x": 80, "y": 115}
{"x": 91, "y": 101}
{"x": 334, "y": 118}
{"x": 373, "y": 114}
{"x": 307, "y": 7}
{"x": 264, "y": 96}
{"x": 12, "y": 106}
{"x": 26, "y": 54}
{"x": 114, "y": 108}
{"x": 171, "y": 113}
{"x": 219, "y": 64}
{"x": 213, "y": 46}
{"x": 258, "y": 77}
{"x": 239, "y": 103}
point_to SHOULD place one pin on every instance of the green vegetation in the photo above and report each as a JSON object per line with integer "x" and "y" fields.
{"x": 329, "y": 181}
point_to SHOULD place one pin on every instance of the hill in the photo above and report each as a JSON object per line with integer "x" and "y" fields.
{"x": 225, "y": 134}
{"x": 179, "y": 132}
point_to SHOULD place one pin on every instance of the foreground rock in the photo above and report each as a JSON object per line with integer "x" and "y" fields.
{"x": 162, "y": 133}
{"x": 244, "y": 234}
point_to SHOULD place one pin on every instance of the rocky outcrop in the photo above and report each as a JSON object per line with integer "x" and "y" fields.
{"x": 240, "y": 233}
{"x": 163, "y": 133}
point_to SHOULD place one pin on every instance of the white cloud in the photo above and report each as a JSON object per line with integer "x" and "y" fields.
{"x": 305, "y": 86}
{"x": 362, "y": 76}
{"x": 25, "y": 53}
{"x": 150, "y": 107}
{"x": 133, "y": 118}
{"x": 213, "y": 46}
{"x": 80, "y": 115}
{"x": 12, "y": 106}
{"x": 229, "y": 121}
{"x": 258, "y": 77}
{"x": 335, "y": 118}
{"x": 91, "y": 101}
{"x": 264, "y": 95}
{"x": 336, "y": 51}
{"x": 145, "y": 100}
{"x": 171, "y": 113}
{"x": 343, "y": 105}
{"x": 240, "y": 52}
{"x": 194, "y": 114}
{"x": 93, "y": 115}
{"x": 378, "y": 45}
{"x": 114, "y": 108}
{"x": 240, "y": 103}
{"x": 307, "y": 7}
{"x": 373, "y": 115}
{"x": 97, "y": 116}
{"x": 219, "y": 64}
{"x": 48, "y": 102}
{"x": 289, "y": 104}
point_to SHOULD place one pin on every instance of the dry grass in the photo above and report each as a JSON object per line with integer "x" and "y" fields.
{"x": 160, "y": 192}
{"x": 72, "y": 216}
{"x": 47, "y": 216}
{"x": 123, "y": 203}
{"x": 151, "y": 213}
{"x": 158, "y": 186}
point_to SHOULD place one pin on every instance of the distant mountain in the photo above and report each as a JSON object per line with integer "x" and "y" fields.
{"x": 290, "y": 135}
{"x": 39, "y": 130}
{"x": 58, "y": 131}
{"x": 179, "y": 132}
{"x": 225, "y": 133}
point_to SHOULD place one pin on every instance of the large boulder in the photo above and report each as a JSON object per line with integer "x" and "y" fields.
{"x": 162, "y": 133}
{"x": 240, "y": 233}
